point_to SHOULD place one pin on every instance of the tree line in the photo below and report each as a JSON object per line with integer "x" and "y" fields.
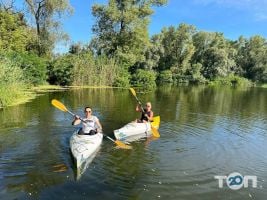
{"x": 121, "y": 53}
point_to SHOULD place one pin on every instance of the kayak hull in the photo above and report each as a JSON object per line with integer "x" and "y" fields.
{"x": 133, "y": 130}
{"x": 84, "y": 147}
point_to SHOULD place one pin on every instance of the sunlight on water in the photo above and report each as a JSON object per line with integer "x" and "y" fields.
{"x": 204, "y": 132}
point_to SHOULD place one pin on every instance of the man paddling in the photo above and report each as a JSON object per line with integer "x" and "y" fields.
{"x": 92, "y": 125}
{"x": 147, "y": 113}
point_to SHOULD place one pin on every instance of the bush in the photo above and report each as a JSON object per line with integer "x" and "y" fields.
{"x": 34, "y": 67}
{"x": 181, "y": 79}
{"x": 94, "y": 71}
{"x": 85, "y": 69}
{"x": 61, "y": 71}
{"x": 194, "y": 74}
{"x": 122, "y": 79}
{"x": 231, "y": 80}
{"x": 12, "y": 81}
{"x": 144, "y": 78}
{"x": 165, "y": 76}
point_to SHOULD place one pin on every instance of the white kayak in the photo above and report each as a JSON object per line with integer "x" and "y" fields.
{"x": 84, "y": 147}
{"x": 134, "y": 131}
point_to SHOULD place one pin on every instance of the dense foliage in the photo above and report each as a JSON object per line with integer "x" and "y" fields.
{"x": 12, "y": 81}
{"x": 121, "y": 53}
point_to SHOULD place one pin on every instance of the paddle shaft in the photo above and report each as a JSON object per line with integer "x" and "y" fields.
{"x": 139, "y": 102}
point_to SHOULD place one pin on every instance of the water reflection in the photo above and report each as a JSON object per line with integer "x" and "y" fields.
{"x": 204, "y": 132}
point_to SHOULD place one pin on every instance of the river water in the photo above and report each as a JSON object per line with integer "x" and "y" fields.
{"x": 205, "y": 132}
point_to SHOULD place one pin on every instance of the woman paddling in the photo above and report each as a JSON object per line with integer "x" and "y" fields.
{"x": 147, "y": 113}
{"x": 92, "y": 125}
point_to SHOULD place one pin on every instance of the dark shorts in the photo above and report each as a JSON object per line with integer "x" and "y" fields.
{"x": 92, "y": 132}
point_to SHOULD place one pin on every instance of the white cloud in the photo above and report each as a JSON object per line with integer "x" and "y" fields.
{"x": 257, "y": 7}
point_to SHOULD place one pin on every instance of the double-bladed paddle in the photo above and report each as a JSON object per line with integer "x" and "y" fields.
{"x": 154, "y": 130}
{"x": 63, "y": 108}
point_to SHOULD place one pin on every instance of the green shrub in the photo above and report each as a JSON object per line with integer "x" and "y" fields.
{"x": 34, "y": 67}
{"x": 122, "y": 79}
{"x": 231, "y": 80}
{"x": 12, "y": 81}
{"x": 94, "y": 71}
{"x": 165, "y": 76}
{"x": 61, "y": 71}
{"x": 194, "y": 74}
{"x": 144, "y": 78}
{"x": 181, "y": 79}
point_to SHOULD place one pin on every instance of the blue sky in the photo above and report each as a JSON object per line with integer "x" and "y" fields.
{"x": 232, "y": 17}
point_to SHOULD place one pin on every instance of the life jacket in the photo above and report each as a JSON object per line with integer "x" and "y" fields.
{"x": 143, "y": 117}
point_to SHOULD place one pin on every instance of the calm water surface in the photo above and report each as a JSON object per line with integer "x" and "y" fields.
{"x": 204, "y": 132}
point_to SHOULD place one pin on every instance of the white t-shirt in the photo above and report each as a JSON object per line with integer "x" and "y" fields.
{"x": 90, "y": 124}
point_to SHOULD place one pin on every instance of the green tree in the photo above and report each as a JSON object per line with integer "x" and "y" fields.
{"x": 165, "y": 76}
{"x": 178, "y": 48}
{"x": 46, "y": 15}
{"x": 153, "y": 54}
{"x": 34, "y": 68}
{"x": 215, "y": 54}
{"x": 252, "y": 58}
{"x": 144, "y": 78}
{"x": 122, "y": 29}
{"x": 75, "y": 48}
{"x": 61, "y": 71}
{"x": 14, "y": 33}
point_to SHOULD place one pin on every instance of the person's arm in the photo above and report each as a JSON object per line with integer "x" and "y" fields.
{"x": 98, "y": 124}
{"x": 138, "y": 109}
{"x": 151, "y": 116}
{"x": 76, "y": 120}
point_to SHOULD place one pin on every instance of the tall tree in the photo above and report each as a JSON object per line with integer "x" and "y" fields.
{"x": 46, "y": 15}
{"x": 14, "y": 33}
{"x": 7, "y": 5}
{"x": 153, "y": 53}
{"x": 178, "y": 48}
{"x": 121, "y": 28}
{"x": 215, "y": 54}
{"x": 252, "y": 57}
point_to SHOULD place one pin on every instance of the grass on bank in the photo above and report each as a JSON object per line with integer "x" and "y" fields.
{"x": 18, "y": 94}
{"x": 13, "y": 95}
{"x": 47, "y": 88}
{"x": 231, "y": 80}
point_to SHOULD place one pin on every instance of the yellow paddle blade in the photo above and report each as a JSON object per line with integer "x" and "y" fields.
{"x": 59, "y": 105}
{"x": 133, "y": 91}
{"x": 122, "y": 145}
{"x": 155, "y": 132}
{"x": 156, "y": 122}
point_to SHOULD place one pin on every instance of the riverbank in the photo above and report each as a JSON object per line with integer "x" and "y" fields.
{"x": 19, "y": 96}
{"x": 26, "y": 95}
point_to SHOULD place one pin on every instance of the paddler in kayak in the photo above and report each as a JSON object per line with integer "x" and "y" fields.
{"x": 92, "y": 126}
{"x": 146, "y": 116}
